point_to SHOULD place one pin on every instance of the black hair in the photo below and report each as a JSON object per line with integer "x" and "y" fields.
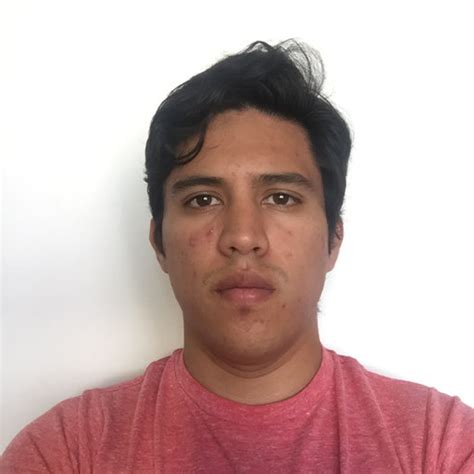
{"x": 284, "y": 80}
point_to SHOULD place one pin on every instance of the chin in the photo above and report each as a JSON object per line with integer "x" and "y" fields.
{"x": 251, "y": 349}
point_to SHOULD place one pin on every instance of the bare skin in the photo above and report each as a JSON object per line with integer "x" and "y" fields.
{"x": 246, "y": 249}
{"x": 259, "y": 384}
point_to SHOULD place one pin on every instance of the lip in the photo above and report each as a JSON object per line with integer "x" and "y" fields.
{"x": 245, "y": 288}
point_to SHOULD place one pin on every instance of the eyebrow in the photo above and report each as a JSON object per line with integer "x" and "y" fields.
{"x": 286, "y": 178}
{"x": 265, "y": 179}
{"x": 192, "y": 181}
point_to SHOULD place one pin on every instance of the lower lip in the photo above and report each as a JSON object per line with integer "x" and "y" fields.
{"x": 246, "y": 295}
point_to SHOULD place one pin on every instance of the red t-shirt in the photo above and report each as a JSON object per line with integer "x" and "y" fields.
{"x": 346, "y": 419}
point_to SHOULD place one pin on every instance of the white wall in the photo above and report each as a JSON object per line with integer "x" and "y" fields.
{"x": 84, "y": 304}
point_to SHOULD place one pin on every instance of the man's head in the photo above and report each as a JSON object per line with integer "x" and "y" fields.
{"x": 283, "y": 80}
{"x": 246, "y": 168}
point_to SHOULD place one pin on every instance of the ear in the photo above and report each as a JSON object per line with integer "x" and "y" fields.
{"x": 158, "y": 252}
{"x": 335, "y": 246}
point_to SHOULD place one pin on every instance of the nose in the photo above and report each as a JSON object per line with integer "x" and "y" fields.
{"x": 243, "y": 231}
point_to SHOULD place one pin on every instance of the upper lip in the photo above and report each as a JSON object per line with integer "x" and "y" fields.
{"x": 243, "y": 280}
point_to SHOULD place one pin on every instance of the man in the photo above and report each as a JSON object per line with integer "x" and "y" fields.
{"x": 246, "y": 167}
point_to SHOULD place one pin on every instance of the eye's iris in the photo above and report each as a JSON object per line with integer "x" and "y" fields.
{"x": 203, "y": 200}
{"x": 281, "y": 198}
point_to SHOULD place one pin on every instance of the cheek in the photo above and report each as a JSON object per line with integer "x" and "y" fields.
{"x": 303, "y": 255}
{"x": 187, "y": 259}
{"x": 289, "y": 236}
{"x": 200, "y": 238}
{"x": 188, "y": 249}
{"x": 305, "y": 244}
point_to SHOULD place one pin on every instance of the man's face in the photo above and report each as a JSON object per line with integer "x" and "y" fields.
{"x": 245, "y": 238}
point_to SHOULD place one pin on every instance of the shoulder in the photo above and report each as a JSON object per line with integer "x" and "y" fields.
{"x": 388, "y": 390}
{"x": 64, "y": 437}
{"x": 129, "y": 389}
{"x": 441, "y": 426}
{"x": 392, "y": 393}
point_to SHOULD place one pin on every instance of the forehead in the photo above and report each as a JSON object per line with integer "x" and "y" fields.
{"x": 250, "y": 142}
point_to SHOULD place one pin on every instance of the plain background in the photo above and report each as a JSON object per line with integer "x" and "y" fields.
{"x": 84, "y": 302}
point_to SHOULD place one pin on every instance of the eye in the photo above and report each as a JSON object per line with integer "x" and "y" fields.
{"x": 202, "y": 200}
{"x": 282, "y": 199}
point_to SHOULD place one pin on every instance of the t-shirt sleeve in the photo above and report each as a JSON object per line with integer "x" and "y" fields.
{"x": 55, "y": 442}
{"x": 449, "y": 435}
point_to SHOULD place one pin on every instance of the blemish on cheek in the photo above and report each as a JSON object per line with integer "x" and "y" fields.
{"x": 193, "y": 240}
{"x": 283, "y": 306}
{"x": 198, "y": 238}
{"x": 288, "y": 255}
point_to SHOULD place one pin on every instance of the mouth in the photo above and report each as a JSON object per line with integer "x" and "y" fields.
{"x": 245, "y": 288}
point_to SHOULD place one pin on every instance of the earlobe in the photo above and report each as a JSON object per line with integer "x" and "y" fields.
{"x": 160, "y": 256}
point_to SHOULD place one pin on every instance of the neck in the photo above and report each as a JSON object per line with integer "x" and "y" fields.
{"x": 260, "y": 383}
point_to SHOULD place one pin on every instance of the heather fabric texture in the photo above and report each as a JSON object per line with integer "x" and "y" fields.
{"x": 346, "y": 419}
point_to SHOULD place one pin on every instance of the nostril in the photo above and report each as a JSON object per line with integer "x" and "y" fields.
{"x": 235, "y": 249}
